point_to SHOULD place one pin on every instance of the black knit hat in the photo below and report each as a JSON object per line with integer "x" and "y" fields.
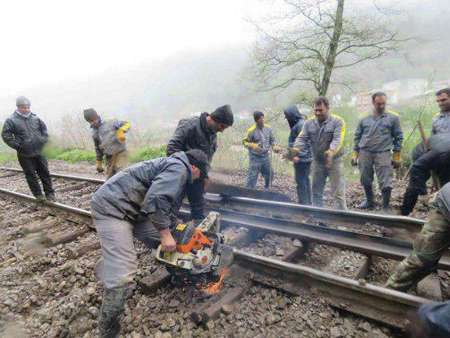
{"x": 198, "y": 158}
{"x": 223, "y": 115}
{"x": 90, "y": 114}
{"x": 257, "y": 115}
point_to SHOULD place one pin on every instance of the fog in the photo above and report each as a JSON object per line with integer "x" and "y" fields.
{"x": 164, "y": 59}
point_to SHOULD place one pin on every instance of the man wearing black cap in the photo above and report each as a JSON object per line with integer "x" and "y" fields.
{"x": 140, "y": 201}
{"x": 27, "y": 134}
{"x": 200, "y": 133}
{"x": 259, "y": 141}
{"x": 109, "y": 140}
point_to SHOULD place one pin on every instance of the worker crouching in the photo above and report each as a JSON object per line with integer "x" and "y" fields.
{"x": 140, "y": 201}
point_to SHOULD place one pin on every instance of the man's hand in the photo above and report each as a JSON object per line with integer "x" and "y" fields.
{"x": 205, "y": 183}
{"x": 167, "y": 242}
{"x": 254, "y": 146}
{"x": 396, "y": 159}
{"x": 277, "y": 149}
{"x": 354, "y": 160}
{"x": 329, "y": 154}
{"x": 99, "y": 166}
{"x": 296, "y": 159}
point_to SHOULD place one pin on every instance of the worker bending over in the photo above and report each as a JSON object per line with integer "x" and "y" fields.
{"x": 140, "y": 201}
{"x": 110, "y": 142}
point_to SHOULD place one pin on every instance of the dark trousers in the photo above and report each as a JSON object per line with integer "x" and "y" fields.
{"x": 420, "y": 173}
{"x": 33, "y": 167}
{"x": 195, "y": 197}
{"x": 302, "y": 170}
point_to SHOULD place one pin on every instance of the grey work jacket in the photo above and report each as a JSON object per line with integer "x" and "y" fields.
{"x": 151, "y": 189}
{"x": 261, "y": 136}
{"x": 105, "y": 140}
{"x": 379, "y": 134}
{"x": 323, "y": 136}
{"x": 441, "y": 123}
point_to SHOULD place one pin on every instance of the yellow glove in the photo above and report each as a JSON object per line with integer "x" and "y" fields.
{"x": 253, "y": 146}
{"x": 354, "y": 160}
{"x": 99, "y": 166}
{"x": 396, "y": 159}
{"x": 120, "y": 133}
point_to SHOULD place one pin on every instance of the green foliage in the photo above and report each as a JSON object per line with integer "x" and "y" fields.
{"x": 7, "y": 157}
{"x": 147, "y": 153}
{"x": 74, "y": 155}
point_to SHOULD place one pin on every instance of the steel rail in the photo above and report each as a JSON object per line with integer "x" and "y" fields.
{"x": 378, "y": 303}
{"x": 401, "y": 225}
{"x": 363, "y": 243}
{"x": 367, "y": 244}
{"x": 375, "y": 302}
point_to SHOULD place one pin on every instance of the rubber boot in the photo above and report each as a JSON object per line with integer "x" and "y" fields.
{"x": 386, "y": 193}
{"x": 112, "y": 309}
{"x": 368, "y": 203}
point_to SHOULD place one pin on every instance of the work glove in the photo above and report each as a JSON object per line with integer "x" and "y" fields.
{"x": 254, "y": 146}
{"x": 120, "y": 133}
{"x": 290, "y": 154}
{"x": 396, "y": 159}
{"x": 354, "y": 160}
{"x": 277, "y": 149}
{"x": 329, "y": 154}
{"x": 99, "y": 166}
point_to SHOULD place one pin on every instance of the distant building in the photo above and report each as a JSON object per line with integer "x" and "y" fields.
{"x": 405, "y": 89}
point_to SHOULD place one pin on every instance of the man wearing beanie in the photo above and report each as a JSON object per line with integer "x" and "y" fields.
{"x": 27, "y": 134}
{"x": 259, "y": 141}
{"x": 110, "y": 142}
{"x": 140, "y": 201}
{"x": 200, "y": 133}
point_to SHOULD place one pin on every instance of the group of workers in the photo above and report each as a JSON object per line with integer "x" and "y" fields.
{"x": 143, "y": 200}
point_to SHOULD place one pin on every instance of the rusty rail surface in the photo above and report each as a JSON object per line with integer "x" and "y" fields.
{"x": 378, "y": 303}
{"x": 371, "y": 301}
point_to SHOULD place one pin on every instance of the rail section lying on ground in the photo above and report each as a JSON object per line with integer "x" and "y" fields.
{"x": 401, "y": 226}
{"x": 371, "y": 301}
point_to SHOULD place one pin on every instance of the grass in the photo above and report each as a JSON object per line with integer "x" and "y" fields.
{"x": 147, "y": 153}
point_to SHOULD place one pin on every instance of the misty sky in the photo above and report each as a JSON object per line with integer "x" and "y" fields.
{"x": 48, "y": 41}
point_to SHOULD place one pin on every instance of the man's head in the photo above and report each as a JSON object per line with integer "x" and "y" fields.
{"x": 443, "y": 99}
{"x": 199, "y": 163}
{"x": 321, "y": 108}
{"x": 379, "y": 102}
{"x": 92, "y": 117}
{"x": 259, "y": 118}
{"x": 220, "y": 119}
{"x": 23, "y": 105}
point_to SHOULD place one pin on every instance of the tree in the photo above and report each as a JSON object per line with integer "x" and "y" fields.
{"x": 314, "y": 38}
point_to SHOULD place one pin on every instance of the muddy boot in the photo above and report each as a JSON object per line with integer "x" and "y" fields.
{"x": 386, "y": 193}
{"x": 111, "y": 311}
{"x": 368, "y": 203}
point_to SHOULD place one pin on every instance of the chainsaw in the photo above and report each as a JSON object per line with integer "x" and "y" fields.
{"x": 200, "y": 252}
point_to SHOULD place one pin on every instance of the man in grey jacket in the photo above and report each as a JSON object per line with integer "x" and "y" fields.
{"x": 27, "y": 134}
{"x": 259, "y": 141}
{"x": 200, "y": 132}
{"x": 140, "y": 201}
{"x": 325, "y": 134}
{"x": 109, "y": 141}
{"x": 377, "y": 145}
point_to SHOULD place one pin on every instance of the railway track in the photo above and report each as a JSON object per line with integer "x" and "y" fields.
{"x": 374, "y": 302}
